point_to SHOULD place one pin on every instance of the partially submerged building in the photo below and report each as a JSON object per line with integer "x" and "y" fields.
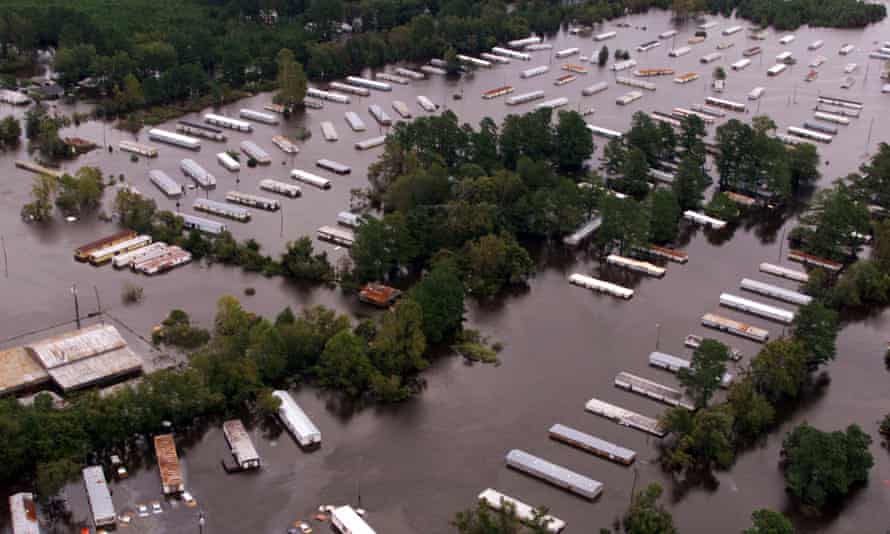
{"x": 23, "y": 513}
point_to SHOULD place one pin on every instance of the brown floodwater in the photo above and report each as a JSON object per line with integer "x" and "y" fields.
{"x": 415, "y": 464}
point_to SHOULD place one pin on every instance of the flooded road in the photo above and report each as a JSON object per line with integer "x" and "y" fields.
{"x": 415, "y": 464}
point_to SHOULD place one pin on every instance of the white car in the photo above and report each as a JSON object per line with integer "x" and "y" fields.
{"x": 142, "y": 510}
{"x": 156, "y": 507}
{"x": 188, "y": 499}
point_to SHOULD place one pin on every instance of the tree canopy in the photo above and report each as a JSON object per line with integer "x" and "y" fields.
{"x": 821, "y": 467}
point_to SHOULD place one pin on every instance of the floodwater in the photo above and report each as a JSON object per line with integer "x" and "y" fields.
{"x": 412, "y": 466}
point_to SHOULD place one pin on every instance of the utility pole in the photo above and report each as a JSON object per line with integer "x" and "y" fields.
{"x": 98, "y": 303}
{"x": 5, "y": 258}
{"x": 657, "y": 335}
{"x": 781, "y": 245}
{"x": 633, "y": 486}
{"x": 76, "y": 305}
{"x": 867, "y": 143}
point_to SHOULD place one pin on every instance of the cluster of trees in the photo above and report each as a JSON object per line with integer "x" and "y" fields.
{"x": 863, "y": 284}
{"x": 10, "y": 132}
{"x": 42, "y": 131}
{"x": 752, "y": 162}
{"x": 795, "y": 13}
{"x": 824, "y": 466}
{"x": 298, "y": 262}
{"x": 838, "y": 223}
{"x": 375, "y": 359}
{"x": 177, "y": 330}
{"x": 651, "y": 216}
{"x": 73, "y": 195}
{"x": 471, "y": 195}
{"x": 710, "y": 436}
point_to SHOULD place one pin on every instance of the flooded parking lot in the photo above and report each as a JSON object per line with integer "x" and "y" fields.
{"x": 415, "y": 464}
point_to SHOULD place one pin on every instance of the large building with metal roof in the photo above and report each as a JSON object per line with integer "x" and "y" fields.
{"x": 73, "y": 360}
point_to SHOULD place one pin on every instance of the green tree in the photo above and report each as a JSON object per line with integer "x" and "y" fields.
{"x": 493, "y": 262}
{"x": 344, "y": 364}
{"x": 80, "y": 193}
{"x": 130, "y": 95}
{"x": 41, "y": 207}
{"x": 452, "y": 65}
{"x": 804, "y": 163}
{"x": 53, "y": 475}
{"x": 683, "y": 9}
{"x": 702, "y": 440}
{"x": 646, "y": 515}
{"x": 769, "y": 522}
{"x": 299, "y": 262}
{"x": 704, "y": 375}
{"x": 266, "y": 347}
{"x": 829, "y": 229}
{"x": 752, "y": 413}
{"x": 625, "y": 225}
{"x": 880, "y": 251}
{"x": 373, "y": 252}
{"x": 399, "y": 346}
{"x": 690, "y": 182}
{"x": 780, "y": 369}
{"x": 10, "y": 131}
{"x": 134, "y": 211}
{"x": 665, "y": 216}
{"x": 603, "y": 56}
{"x": 74, "y": 63}
{"x": 440, "y": 295}
{"x": 691, "y": 138}
{"x": 291, "y": 80}
{"x": 722, "y": 207}
{"x": 573, "y": 141}
{"x": 872, "y": 184}
{"x": 821, "y": 467}
{"x": 816, "y": 327}
{"x": 635, "y": 174}
{"x": 615, "y": 152}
